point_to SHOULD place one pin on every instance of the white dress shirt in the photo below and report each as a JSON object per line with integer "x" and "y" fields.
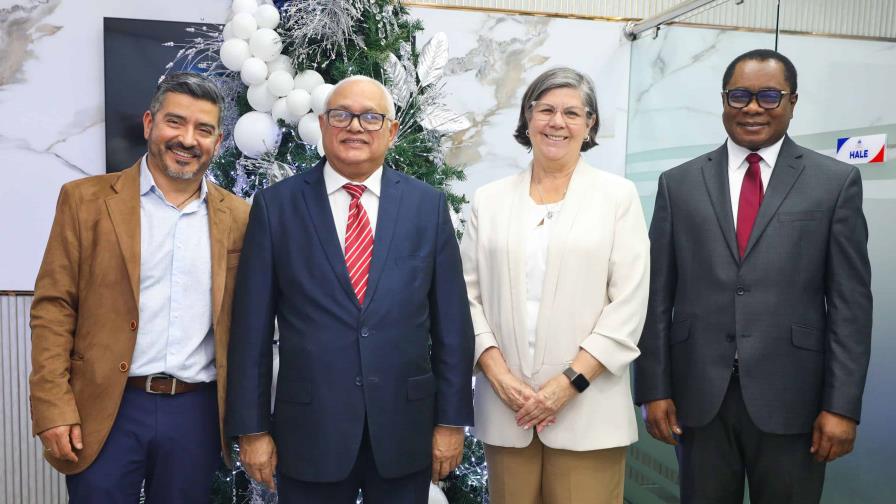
{"x": 340, "y": 199}
{"x": 737, "y": 168}
{"x": 175, "y": 335}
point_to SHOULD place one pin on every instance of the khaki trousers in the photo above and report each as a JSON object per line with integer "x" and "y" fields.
{"x": 538, "y": 474}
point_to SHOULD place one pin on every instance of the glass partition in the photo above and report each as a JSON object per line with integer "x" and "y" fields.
{"x": 845, "y": 90}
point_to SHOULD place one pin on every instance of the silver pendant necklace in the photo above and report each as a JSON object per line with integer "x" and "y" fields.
{"x": 552, "y": 208}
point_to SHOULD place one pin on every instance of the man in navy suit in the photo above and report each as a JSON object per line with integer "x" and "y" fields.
{"x": 360, "y": 266}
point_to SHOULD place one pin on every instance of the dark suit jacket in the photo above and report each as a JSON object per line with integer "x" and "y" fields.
{"x": 403, "y": 360}
{"x": 84, "y": 317}
{"x": 796, "y": 309}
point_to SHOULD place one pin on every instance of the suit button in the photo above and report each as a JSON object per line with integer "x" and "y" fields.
{"x": 123, "y": 367}
{"x": 729, "y": 337}
{"x": 133, "y": 325}
{"x": 740, "y": 290}
{"x": 365, "y": 332}
{"x": 358, "y": 381}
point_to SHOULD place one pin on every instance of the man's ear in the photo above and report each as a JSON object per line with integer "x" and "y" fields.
{"x": 147, "y": 124}
{"x": 393, "y": 131}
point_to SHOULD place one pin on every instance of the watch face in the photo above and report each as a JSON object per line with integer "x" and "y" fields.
{"x": 580, "y": 383}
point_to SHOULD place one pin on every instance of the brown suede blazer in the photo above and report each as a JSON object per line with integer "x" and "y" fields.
{"x": 84, "y": 317}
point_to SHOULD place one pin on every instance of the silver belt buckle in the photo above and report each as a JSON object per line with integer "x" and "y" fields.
{"x": 150, "y": 378}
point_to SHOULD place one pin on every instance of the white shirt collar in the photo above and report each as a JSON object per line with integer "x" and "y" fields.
{"x": 148, "y": 183}
{"x": 738, "y": 154}
{"x": 334, "y": 181}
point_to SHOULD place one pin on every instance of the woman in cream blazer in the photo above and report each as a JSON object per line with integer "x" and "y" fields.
{"x": 556, "y": 262}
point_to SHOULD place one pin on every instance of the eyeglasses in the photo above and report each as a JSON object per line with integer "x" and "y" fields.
{"x": 369, "y": 121}
{"x": 544, "y": 112}
{"x": 766, "y": 98}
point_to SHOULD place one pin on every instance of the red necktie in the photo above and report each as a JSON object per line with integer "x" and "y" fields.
{"x": 358, "y": 241}
{"x": 751, "y": 193}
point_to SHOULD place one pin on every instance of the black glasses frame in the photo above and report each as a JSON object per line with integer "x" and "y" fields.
{"x": 755, "y": 96}
{"x": 354, "y": 116}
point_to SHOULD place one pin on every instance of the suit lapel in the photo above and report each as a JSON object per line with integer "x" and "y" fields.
{"x": 516, "y": 264}
{"x": 787, "y": 170}
{"x": 577, "y": 195}
{"x": 390, "y": 201}
{"x": 715, "y": 176}
{"x": 219, "y": 232}
{"x": 318, "y": 205}
{"x": 124, "y": 211}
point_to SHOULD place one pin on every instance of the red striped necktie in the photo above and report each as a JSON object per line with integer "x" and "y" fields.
{"x": 358, "y": 241}
{"x": 751, "y": 193}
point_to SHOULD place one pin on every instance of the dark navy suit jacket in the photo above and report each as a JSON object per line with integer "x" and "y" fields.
{"x": 402, "y": 360}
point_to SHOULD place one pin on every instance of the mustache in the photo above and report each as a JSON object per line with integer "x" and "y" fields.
{"x": 174, "y": 144}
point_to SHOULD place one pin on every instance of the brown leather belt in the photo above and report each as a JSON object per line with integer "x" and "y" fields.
{"x": 164, "y": 384}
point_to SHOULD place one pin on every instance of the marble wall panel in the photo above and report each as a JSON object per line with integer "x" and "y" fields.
{"x": 494, "y": 57}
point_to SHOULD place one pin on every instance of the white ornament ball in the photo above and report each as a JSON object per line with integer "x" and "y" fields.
{"x": 319, "y": 97}
{"x": 260, "y": 97}
{"x": 281, "y": 111}
{"x": 227, "y": 32}
{"x": 281, "y": 62}
{"x": 244, "y": 25}
{"x": 240, "y": 6}
{"x": 265, "y": 44}
{"x": 308, "y": 80}
{"x": 234, "y": 53}
{"x": 280, "y": 83}
{"x": 267, "y": 16}
{"x": 299, "y": 102}
{"x": 253, "y": 72}
{"x": 256, "y": 133}
{"x": 309, "y": 129}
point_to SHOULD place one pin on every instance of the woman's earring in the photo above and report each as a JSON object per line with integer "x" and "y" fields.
{"x": 527, "y": 132}
{"x": 587, "y": 138}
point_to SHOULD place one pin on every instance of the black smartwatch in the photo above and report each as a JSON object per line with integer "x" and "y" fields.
{"x": 578, "y": 380}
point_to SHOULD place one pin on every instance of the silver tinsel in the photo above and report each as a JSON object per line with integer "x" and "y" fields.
{"x": 199, "y": 52}
{"x": 319, "y": 30}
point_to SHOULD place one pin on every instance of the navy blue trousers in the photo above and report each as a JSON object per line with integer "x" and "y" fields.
{"x": 167, "y": 444}
{"x": 410, "y": 489}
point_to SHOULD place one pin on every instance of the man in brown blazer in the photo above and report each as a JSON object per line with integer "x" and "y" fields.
{"x": 131, "y": 313}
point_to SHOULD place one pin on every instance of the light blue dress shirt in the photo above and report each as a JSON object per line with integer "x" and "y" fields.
{"x": 175, "y": 335}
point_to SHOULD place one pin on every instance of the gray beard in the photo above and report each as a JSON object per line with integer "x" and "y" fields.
{"x": 185, "y": 175}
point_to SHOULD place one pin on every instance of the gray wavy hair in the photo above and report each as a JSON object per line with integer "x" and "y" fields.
{"x": 561, "y": 77}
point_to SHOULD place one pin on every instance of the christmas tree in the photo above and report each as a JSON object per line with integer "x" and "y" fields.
{"x": 272, "y": 61}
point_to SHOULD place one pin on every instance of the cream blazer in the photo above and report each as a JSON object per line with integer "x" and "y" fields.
{"x": 594, "y": 298}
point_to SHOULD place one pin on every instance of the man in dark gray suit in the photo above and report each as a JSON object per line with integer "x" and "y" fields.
{"x": 758, "y": 331}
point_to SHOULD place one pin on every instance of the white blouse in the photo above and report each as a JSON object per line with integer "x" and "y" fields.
{"x": 540, "y": 220}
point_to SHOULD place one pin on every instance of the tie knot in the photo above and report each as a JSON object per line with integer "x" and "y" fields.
{"x": 355, "y": 190}
{"x": 753, "y": 159}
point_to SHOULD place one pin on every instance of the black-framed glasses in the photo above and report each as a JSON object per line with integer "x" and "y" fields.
{"x": 739, "y": 98}
{"x": 543, "y": 111}
{"x": 369, "y": 121}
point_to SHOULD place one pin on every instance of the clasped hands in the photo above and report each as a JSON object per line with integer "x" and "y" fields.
{"x": 258, "y": 454}
{"x": 534, "y": 408}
